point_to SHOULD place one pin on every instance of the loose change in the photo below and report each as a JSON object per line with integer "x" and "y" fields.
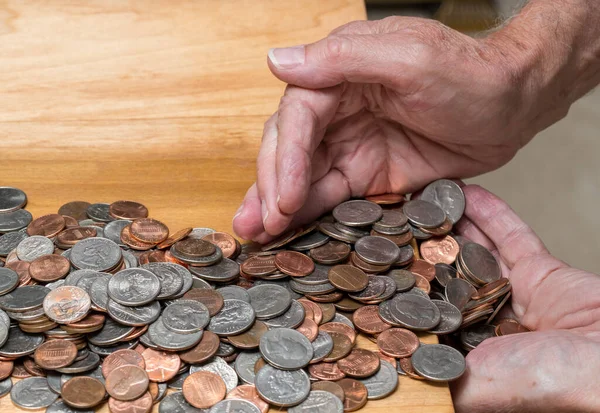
{"x": 100, "y": 303}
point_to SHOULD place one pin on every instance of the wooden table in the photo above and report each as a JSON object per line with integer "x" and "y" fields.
{"x": 161, "y": 102}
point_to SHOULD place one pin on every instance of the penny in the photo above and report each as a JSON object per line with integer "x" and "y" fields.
{"x": 326, "y": 371}
{"x": 160, "y": 366}
{"x": 220, "y": 367}
{"x": 281, "y": 387}
{"x": 309, "y": 329}
{"x": 194, "y": 248}
{"x": 250, "y": 339}
{"x": 359, "y": 363}
{"x": 422, "y": 284}
{"x": 490, "y": 288}
{"x": 330, "y": 387}
{"x": 397, "y": 342}
{"x": 367, "y": 319}
{"x": 133, "y": 243}
{"x": 438, "y": 362}
{"x": 11, "y": 199}
{"x": 312, "y": 310}
{"x": 46, "y": 225}
{"x": 319, "y": 402}
{"x": 55, "y": 354}
{"x": 424, "y": 214}
{"x": 331, "y": 253}
{"x": 32, "y": 368}
{"x": 32, "y": 393}
{"x": 49, "y": 268}
{"x": 377, "y": 250}
{"x": 348, "y": 278}
{"x": 67, "y": 304}
{"x": 127, "y": 382}
{"x": 75, "y": 209}
{"x": 286, "y": 349}
{"x": 149, "y": 230}
{"x": 355, "y": 394}
{"x": 341, "y": 328}
{"x": 173, "y": 238}
{"x": 212, "y": 299}
{"x": 357, "y": 213}
{"x": 386, "y": 199}
{"x": 248, "y": 393}
{"x": 342, "y": 346}
{"x": 6, "y": 368}
{"x": 383, "y": 383}
{"x": 120, "y": 358}
{"x": 127, "y": 210}
{"x": 423, "y": 268}
{"x": 440, "y": 250}
{"x": 294, "y": 264}
{"x": 203, "y": 389}
{"x": 82, "y": 392}
{"x": 459, "y": 292}
{"x": 507, "y": 327}
{"x": 73, "y": 235}
{"x": 224, "y": 241}
{"x": 448, "y": 196}
{"x": 142, "y": 404}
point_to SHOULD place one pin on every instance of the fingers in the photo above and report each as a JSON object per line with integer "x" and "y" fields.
{"x": 247, "y": 220}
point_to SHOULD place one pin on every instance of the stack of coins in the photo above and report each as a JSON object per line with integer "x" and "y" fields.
{"x": 101, "y": 303}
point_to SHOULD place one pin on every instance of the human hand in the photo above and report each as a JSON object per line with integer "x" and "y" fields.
{"x": 554, "y": 368}
{"x": 381, "y": 106}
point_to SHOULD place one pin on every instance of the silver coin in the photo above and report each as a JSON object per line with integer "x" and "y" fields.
{"x": 176, "y": 403}
{"x": 234, "y": 292}
{"x": 10, "y": 241}
{"x": 322, "y": 346}
{"x": 171, "y": 280}
{"x": 5, "y": 386}
{"x": 220, "y": 367}
{"x": 458, "y": 292}
{"x": 20, "y": 343}
{"x": 448, "y": 196}
{"x": 235, "y": 317}
{"x": 390, "y": 288}
{"x": 27, "y": 315}
{"x": 424, "y": 214}
{"x": 28, "y": 297}
{"x": 34, "y": 247}
{"x": 234, "y": 406}
{"x": 99, "y": 293}
{"x": 95, "y": 373}
{"x": 225, "y": 350}
{"x": 320, "y": 275}
{"x": 377, "y": 250}
{"x": 311, "y": 289}
{"x": 444, "y": 273}
{"x": 282, "y": 387}
{"x": 4, "y": 319}
{"x": 418, "y": 234}
{"x": 111, "y": 333}
{"x": 225, "y": 270}
{"x": 329, "y": 229}
{"x": 3, "y": 333}
{"x": 85, "y": 282}
{"x": 11, "y": 199}
{"x": 357, "y": 213}
{"x": 283, "y": 283}
{"x": 286, "y": 349}
{"x": 54, "y": 285}
{"x": 32, "y": 393}
{"x": 98, "y": 254}
{"x": 340, "y": 318}
{"x": 15, "y": 220}
{"x": 107, "y": 350}
{"x": 319, "y": 401}
{"x": 133, "y": 286}
{"x": 473, "y": 336}
{"x": 391, "y": 230}
{"x": 186, "y": 276}
{"x": 306, "y": 242}
{"x": 73, "y": 278}
{"x": 200, "y": 283}
{"x": 351, "y": 231}
{"x": 416, "y": 291}
{"x": 176, "y": 382}
{"x": 99, "y": 212}
{"x": 438, "y": 362}
{"x": 9, "y": 280}
{"x": 169, "y": 340}
{"x": 404, "y": 279}
{"x": 53, "y": 379}
{"x": 414, "y": 312}
{"x": 244, "y": 365}
{"x": 374, "y": 288}
{"x": 479, "y": 262}
{"x": 134, "y": 316}
{"x": 61, "y": 407}
{"x": 383, "y": 383}
{"x": 199, "y": 233}
{"x": 209, "y": 260}
{"x": 131, "y": 260}
{"x": 185, "y": 316}
{"x": 269, "y": 301}
{"x": 386, "y": 315}
{"x": 113, "y": 230}
{"x": 292, "y": 318}
{"x": 392, "y": 218}
{"x": 87, "y": 364}
{"x": 406, "y": 255}
{"x": 450, "y": 318}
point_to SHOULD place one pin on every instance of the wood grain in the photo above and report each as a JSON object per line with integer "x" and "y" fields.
{"x": 157, "y": 101}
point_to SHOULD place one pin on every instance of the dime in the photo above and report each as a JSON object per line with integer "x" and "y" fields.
{"x": 161, "y": 366}
{"x": 98, "y": 254}
{"x": 444, "y": 273}
{"x": 114, "y": 229}
{"x": 319, "y": 402}
{"x": 33, "y": 247}
{"x": 244, "y": 365}
{"x": 359, "y": 363}
{"x": 32, "y": 393}
{"x": 383, "y": 383}
{"x": 82, "y": 392}
{"x": 415, "y": 312}
{"x": 357, "y": 213}
{"x": 355, "y": 394}
{"x": 473, "y": 336}
{"x": 398, "y": 342}
{"x": 282, "y": 387}
{"x": 348, "y": 278}
{"x": 60, "y": 406}
{"x": 67, "y": 304}
{"x": 134, "y": 287}
{"x": 11, "y": 199}
{"x": 377, "y": 250}
{"x": 448, "y": 196}
{"x": 176, "y": 403}
{"x": 203, "y": 389}
{"x": 55, "y": 354}
{"x": 127, "y": 382}
{"x": 440, "y": 250}
{"x": 404, "y": 279}
{"x": 269, "y": 301}
{"x": 438, "y": 362}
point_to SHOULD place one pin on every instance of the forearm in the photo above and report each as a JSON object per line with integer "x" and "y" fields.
{"x": 552, "y": 50}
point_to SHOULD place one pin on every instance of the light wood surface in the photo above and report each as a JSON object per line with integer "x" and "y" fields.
{"x": 161, "y": 102}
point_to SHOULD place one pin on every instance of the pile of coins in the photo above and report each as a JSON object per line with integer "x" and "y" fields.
{"x": 101, "y": 303}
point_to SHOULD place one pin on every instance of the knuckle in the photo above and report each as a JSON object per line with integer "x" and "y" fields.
{"x": 338, "y": 48}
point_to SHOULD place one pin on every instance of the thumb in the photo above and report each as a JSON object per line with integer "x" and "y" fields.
{"x": 339, "y": 58}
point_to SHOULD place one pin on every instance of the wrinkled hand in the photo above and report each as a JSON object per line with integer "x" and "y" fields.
{"x": 381, "y": 106}
{"x": 555, "y": 368}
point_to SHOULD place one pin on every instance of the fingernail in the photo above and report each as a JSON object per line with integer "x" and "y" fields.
{"x": 287, "y": 58}
{"x": 264, "y": 211}
{"x": 238, "y": 212}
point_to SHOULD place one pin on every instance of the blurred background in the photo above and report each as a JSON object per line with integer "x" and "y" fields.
{"x": 554, "y": 183}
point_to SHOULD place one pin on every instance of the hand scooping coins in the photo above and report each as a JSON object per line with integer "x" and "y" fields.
{"x": 100, "y": 303}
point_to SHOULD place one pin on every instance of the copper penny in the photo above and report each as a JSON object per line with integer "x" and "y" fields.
{"x": 248, "y": 392}
{"x": 173, "y": 238}
{"x": 348, "y": 304}
{"x": 508, "y": 326}
{"x": 258, "y": 266}
{"x": 213, "y": 300}
{"x": 386, "y": 199}
{"x": 423, "y": 268}
{"x": 399, "y": 240}
{"x": 72, "y": 236}
{"x": 398, "y": 342}
{"x": 151, "y": 256}
{"x": 149, "y": 230}
{"x": 367, "y": 320}
{"x": 331, "y": 253}
{"x": 250, "y": 339}
{"x": 312, "y": 310}
{"x": 348, "y": 278}
{"x": 127, "y": 210}
{"x": 224, "y": 241}
{"x": 355, "y": 394}
{"x": 203, "y": 389}
{"x": 342, "y": 346}
{"x": 75, "y": 209}
{"x": 309, "y": 329}
{"x": 153, "y": 390}
{"x": 341, "y": 328}
{"x": 19, "y": 372}
{"x": 204, "y": 350}
{"x": 138, "y": 332}
{"x": 82, "y": 392}
{"x": 123, "y": 357}
{"x": 46, "y": 225}
{"x": 6, "y": 368}
{"x": 294, "y": 264}
{"x": 490, "y": 288}
{"x": 194, "y": 247}
{"x": 260, "y": 363}
{"x": 127, "y": 382}
{"x": 365, "y": 266}
{"x": 440, "y": 231}
{"x": 328, "y": 311}
{"x": 359, "y": 363}
{"x": 407, "y": 367}
{"x": 133, "y": 243}
{"x": 326, "y": 371}
{"x": 421, "y": 283}
{"x": 33, "y": 368}
{"x": 440, "y": 250}
{"x": 142, "y": 404}
{"x": 326, "y": 298}
{"x": 160, "y": 365}
{"x": 54, "y": 354}
{"x": 330, "y": 386}
{"x": 90, "y": 321}
{"x": 389, "y": 359}
{"x": 70, "y": 222}
{"x": 48, "y": 268}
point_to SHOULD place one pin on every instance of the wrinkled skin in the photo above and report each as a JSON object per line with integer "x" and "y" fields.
{"x": 368, "y": 118}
